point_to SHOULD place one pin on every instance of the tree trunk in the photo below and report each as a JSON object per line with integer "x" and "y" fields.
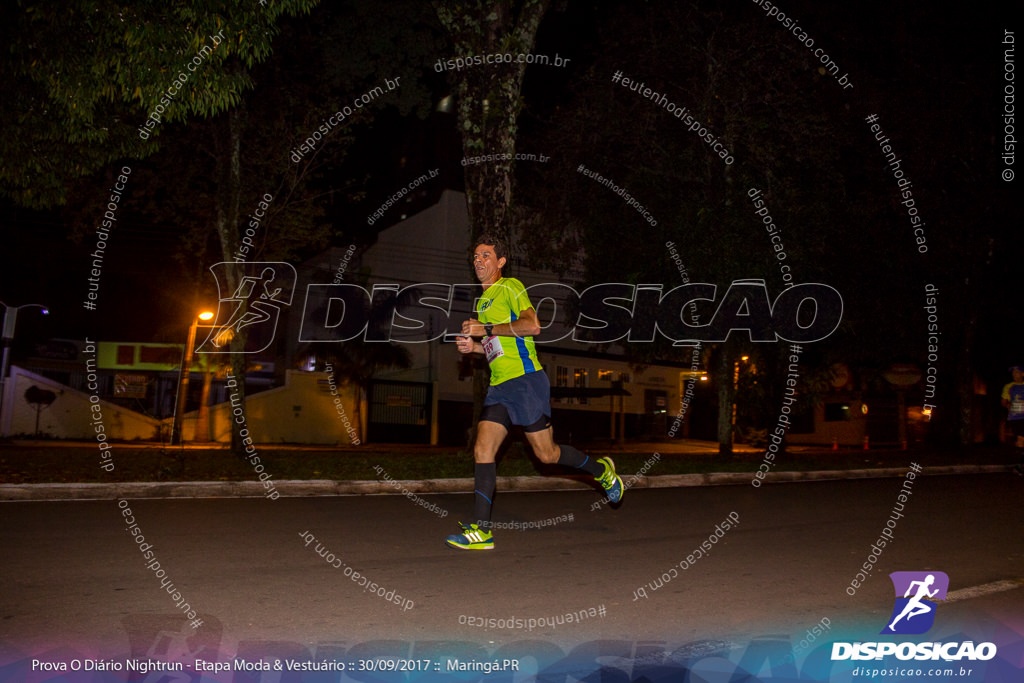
{"x": 965, "y": 366}
{"x": 489, "y": 100}
{"x": 357, "y": 417}
{"x": 726, "y": 395}
{"x": 965, "y": 379}
{"x": 229, "y": 186}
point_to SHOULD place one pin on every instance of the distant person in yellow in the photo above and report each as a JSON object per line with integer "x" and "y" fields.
{"x": 520, "y": 393}
{"x": 1013, "y": 401}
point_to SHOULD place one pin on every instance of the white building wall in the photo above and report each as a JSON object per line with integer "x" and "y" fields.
{"x": 302, "y": 411}
{"x": 71, "y": 415}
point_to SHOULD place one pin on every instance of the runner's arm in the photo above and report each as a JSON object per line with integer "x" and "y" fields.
{"x": 467, "y": 345}
{"x": 526, "y": 325}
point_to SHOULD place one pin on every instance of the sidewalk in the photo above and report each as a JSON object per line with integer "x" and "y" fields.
{"x": 68, "y": 470}
{"x": 314, "y": 488}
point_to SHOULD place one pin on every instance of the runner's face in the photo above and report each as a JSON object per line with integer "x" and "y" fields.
{"x": 1018, "y": 376}
{"x": 487, "y": 265}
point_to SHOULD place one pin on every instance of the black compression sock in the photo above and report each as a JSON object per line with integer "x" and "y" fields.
{"x": 484, "y": 477}
{"x": 571, "y": 457}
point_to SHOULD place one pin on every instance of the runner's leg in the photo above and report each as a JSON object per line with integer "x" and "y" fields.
{"x": 489, "y": 436}
{"x": 547, "y": 451}
{"x": 542, "y": 440}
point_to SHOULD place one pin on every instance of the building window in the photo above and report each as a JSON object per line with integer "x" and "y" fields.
{"x": 837, "y": 412}
{"x": 125, "y": 354}
{"x": 604, "y": 375}
{"x": 561, "y": 379}
{"x": 580, "y": 382}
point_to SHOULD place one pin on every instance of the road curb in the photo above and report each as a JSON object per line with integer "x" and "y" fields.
{"x": 318, "y": 488}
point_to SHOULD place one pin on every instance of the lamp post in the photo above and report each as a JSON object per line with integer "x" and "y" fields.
{"x": 10, "y": 321}
{"x": 182, "y": 396}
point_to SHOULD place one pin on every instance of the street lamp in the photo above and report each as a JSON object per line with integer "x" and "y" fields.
{"x": 179, "y": 401}
{"x": 10, "y": 321}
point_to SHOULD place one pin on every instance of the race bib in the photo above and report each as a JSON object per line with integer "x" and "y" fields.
{"x": 1016, "y": 406}
{"x": 492, "y": 348}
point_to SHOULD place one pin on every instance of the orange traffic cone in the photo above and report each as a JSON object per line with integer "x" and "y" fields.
{"x": 866, "y": 443}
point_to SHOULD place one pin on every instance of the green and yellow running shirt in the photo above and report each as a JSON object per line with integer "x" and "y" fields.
{"x": 509, "y": 357}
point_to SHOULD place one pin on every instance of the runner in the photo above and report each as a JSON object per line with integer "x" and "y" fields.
{"x": 1013, "y": 401}
{"x": 519, "y": 393}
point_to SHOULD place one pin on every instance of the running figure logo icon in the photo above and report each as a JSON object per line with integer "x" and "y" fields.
{"x": 914, "y": 611}
{"x": 253, "y": 307}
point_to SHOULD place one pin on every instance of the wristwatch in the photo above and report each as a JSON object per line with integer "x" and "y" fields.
{"x": 488, "y": 327}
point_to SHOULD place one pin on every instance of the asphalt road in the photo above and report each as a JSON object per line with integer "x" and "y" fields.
{"x": 72, "y": 577}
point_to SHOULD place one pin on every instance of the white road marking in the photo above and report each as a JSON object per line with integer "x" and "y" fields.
{"x": 984, "y": 589}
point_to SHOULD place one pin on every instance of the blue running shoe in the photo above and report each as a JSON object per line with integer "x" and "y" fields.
{"x": 471, "y": 538}
{"x": 610, "y": 480}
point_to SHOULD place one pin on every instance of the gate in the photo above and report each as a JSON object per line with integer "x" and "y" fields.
{"x": 399, "y": 412}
